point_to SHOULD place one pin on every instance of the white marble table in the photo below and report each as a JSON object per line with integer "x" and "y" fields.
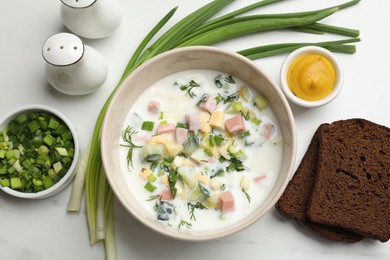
{"x": 44, "y": 230}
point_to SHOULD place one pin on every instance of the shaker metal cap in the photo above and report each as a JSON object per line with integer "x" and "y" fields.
{"x": 78, "y": 3}
{"x": 63, "y": 49}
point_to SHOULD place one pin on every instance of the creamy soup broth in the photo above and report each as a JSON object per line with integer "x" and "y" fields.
{"x": 244, "y": 166}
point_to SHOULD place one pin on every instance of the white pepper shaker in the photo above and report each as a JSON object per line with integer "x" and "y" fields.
{"x": 92, "y": 19}
{"x": 72, "y": 67}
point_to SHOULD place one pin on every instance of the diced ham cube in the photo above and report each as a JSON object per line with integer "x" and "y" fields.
{"x": 181, "y": 135}
{"x": 259, "y": 178}
{"x": 153, "y": 107}
{"x": 235, "y": 125}
{"x": 166, "y": 195}
{"x": 193, "y": 122}
{"x": 210, "y": 104}
{"x": 227, "y": 201}
{"x": 268, "y": 130}
{"x": 165, "y": 128}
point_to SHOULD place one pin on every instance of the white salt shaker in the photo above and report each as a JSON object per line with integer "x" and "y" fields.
{"x": 92, "y": 19}
{"x": 72, "y": 67}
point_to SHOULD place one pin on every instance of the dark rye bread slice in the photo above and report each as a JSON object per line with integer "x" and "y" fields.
{"x": 294, "y": 200}
{"x": 352, "y": 186}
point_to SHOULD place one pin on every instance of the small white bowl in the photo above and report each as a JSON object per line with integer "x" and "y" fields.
{"x": 68, "y": 177}
{"x": 311, "y": 50}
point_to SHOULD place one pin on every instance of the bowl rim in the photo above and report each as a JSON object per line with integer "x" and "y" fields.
{"x": 250, "y": 219}
{"x": 307, "y": 50}
{"x": 57, "y": 187}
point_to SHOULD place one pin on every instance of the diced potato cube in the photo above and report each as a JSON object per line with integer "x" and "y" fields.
{"x": 164, "y": 179}
{"x": 145, "y": 172}
{"x": 203, "y": 178}
{"x": 217, "y": 119}
{"x": 200, "y": 156}
{"x": 216, "y": 183}
{"x": 173, "y": 149}
{"x": 159, "y": 139}
{"x": 205, "y": 142}
{"x": 213, "y": 202}
{"x": 245, "y": 93}
{"x": 181, "y": 161}
{"x": 204, "y": 124}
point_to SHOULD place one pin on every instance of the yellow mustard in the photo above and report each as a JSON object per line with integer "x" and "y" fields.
{"x": 311, "y": 76}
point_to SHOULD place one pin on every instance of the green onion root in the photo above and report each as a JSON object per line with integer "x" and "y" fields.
{"x": 75, "y": 201}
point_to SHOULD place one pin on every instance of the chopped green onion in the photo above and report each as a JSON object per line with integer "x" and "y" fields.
{"x": 15, "y": 183}
{"x": 154, "y": 165}
{"x": 260, "y": 102}
{"x": 167, "y": 161}
{"x": 208, "y": 152}
{"x": 161, "y": 116}
{"x": 256, "y": 121}
{"x": 181, "y": 125}
{"x": 245, "y": 134}
{"x": 53, "y": 123}
{"x": 212, "y": 140}
{"x": 33, "y": 126}
{"x": 219, "y": 139}
{"x": 219, "y": 172}
{"x": 150, "y": 187}
{"x": 147, "y": 125}
{"x": 152, "y": 178}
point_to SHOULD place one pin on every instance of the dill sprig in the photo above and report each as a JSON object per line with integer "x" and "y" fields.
{"x": 246, "y": 195}
{"x": 227, "y": 99}
{"x": 184, "y": 223}
{"x": 191, "y": 208}
{"x": 127, "y": 136}
{"x": 235, "y": 165}
{"x": 189, "y": 87}
{"x": 220, "y": 78}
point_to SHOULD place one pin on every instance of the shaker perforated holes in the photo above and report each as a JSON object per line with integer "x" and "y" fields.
{"x": 63, "y": 49}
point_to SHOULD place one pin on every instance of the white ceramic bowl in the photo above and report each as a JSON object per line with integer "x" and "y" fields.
{"x": 166, "y": 64}
{"x": 308, "y": 50}
{"x": 68, "y": 177}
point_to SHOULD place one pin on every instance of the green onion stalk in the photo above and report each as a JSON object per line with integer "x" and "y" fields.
{"x": 197, "y": 28}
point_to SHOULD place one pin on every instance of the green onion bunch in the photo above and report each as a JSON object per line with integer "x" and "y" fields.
{"x": 198, "y": 28}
